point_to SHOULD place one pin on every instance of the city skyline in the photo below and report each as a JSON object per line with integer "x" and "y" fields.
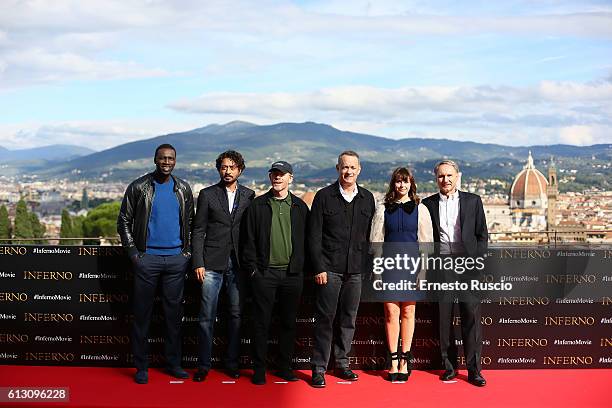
{"x": 98, "y": 74}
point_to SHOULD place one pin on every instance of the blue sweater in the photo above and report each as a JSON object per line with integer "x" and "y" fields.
{"x": 164, "y": 229}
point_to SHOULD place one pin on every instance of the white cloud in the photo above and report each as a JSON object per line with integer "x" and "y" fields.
{"x": 96, "y": 135}
{"x": 394, "y": 102}
{"x": 90, "y": 30}
{"x": 42, "y": 66}
{"x": 577, "y": 135}
{"x": 551, "y": 111}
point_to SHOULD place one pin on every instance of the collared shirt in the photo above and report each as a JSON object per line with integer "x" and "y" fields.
{"x": 450, "y": 225}
{"x": 348, "y": 196}
{"x": 280, "y": 232}
{"x": 231, "y": 196}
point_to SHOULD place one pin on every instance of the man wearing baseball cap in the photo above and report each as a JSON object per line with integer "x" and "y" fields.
{"x": 273, "y": 256}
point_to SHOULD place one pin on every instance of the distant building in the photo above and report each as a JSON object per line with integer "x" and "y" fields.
{"x": 528, "y": 198}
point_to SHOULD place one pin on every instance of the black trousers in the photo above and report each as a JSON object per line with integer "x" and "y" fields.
{"x": 471, "y": 334}
{"x": 470, "y": 316}
{"x": 337, "y": 300}
{"x": 148, "y": 269}
{"x": 267, "y": 287}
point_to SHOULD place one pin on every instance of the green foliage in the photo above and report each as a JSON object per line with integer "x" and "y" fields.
{"x": 67, "y": 228}
{"x": 5, "y": 225}
{"x": 38, "y": 229}
{"x": 101, "y": 222}
{"x": 27, "y": 225}
{"x": 23, "y": 223}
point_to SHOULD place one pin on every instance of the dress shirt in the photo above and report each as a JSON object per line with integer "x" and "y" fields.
{"x": 231, "y": 196}
{"x": 450, "y": 226}
{"x": 348, "y": 196}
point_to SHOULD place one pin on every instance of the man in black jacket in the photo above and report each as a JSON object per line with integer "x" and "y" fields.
{"x": 339, "y": 230}
{"x": 215, "y": 240}
{"x": 459, "y": 228}
{"x": 155, "y": 227}
{"x": 273, "y": 255}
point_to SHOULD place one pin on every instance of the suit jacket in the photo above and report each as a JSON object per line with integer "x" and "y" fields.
{"x": 335, "y": 246}
{"x": 216, "y": 232}
{"x": 474, "y": 233}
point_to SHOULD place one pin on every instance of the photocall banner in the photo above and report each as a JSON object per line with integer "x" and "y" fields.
{"x": 541, "y": 307}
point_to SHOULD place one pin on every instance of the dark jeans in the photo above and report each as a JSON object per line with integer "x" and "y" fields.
{"x": 267, "y": 287}
{"x": 339, "y": 296}
{"x": 148, "y": 269}
{"x": 214, "y": 281}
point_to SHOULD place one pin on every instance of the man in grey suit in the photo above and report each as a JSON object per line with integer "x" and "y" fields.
{"x": 215, "y": 240}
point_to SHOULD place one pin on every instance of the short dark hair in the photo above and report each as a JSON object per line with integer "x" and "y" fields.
{"x": 164, "y": 146}
{"x": 233, "y": 156}
{"x": 347, "y": 153}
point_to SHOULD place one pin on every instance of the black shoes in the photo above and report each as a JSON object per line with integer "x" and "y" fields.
{"x": 200, "y": 375}
{"x": 448, "y": 375}
{"x": 287, "y": 375}
{"x": 233, "y": 373}
{"x": 407, "y": 359}
{"x": 177, "y": 372}
{"x": 476, "y": 379}
{"x": 346, "y": 374}
{"x": 259, "y": 377}
{"x": 141, "y": 377}
{"x": 318, "y": 380}
{"x": 394, "y": 357}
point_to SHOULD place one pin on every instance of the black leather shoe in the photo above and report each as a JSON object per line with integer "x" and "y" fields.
{"x": 347, "y": 374}
{"x": 177, "y": 372}
{"x": 287, "y": 375}
{"x": 141, "y": 377}
{"x": 477, "y": 379}
{"x": 259, "y": 377}
{"x": 200, "y": 375}
{"x": 448, "y": 375}
{"x": 233, "y": 373}
{"x": 318, "y": 380}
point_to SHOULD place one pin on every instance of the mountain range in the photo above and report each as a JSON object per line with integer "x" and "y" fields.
{"x": 45, "y": 153}
{"x": 313, "y": 148}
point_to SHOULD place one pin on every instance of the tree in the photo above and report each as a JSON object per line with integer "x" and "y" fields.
{"x": 101, "y": 222}
{"x": 85, "y": 199}
{"x": 38, "y": 229}
{"x": 77, "y": 228}
{"x": 23, "y": 223}
{"x": 67, "y": 228}
{"x": 5, "y": 225}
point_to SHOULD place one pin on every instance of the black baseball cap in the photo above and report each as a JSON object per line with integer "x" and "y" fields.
{"x": 281, "y": 166}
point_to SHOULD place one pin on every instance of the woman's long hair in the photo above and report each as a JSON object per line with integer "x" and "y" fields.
{"x": 401, "y": 174}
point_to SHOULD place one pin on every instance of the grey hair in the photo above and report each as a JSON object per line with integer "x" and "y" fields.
{"x": 447, "y": 162}
{"x": 347, "y": 153}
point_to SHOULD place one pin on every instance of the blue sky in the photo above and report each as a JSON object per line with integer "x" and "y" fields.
{"x": 101, "y": 73}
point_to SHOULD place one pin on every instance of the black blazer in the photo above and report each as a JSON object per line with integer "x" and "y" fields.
{"x": 215, "y": 231}
{"x": 335, "y": 246}
{"x": 474, "y": 233}
{"x": 255, "y": 254}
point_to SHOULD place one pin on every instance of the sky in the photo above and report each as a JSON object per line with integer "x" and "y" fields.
{"x": 100, "y": 73}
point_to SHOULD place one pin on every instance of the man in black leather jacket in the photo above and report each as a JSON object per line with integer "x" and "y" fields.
{"x": 155, "y": 226}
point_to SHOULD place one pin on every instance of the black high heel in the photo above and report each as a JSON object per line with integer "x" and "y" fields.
{"x": 394, "y": 357}
{"x": 407, "y": 358}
